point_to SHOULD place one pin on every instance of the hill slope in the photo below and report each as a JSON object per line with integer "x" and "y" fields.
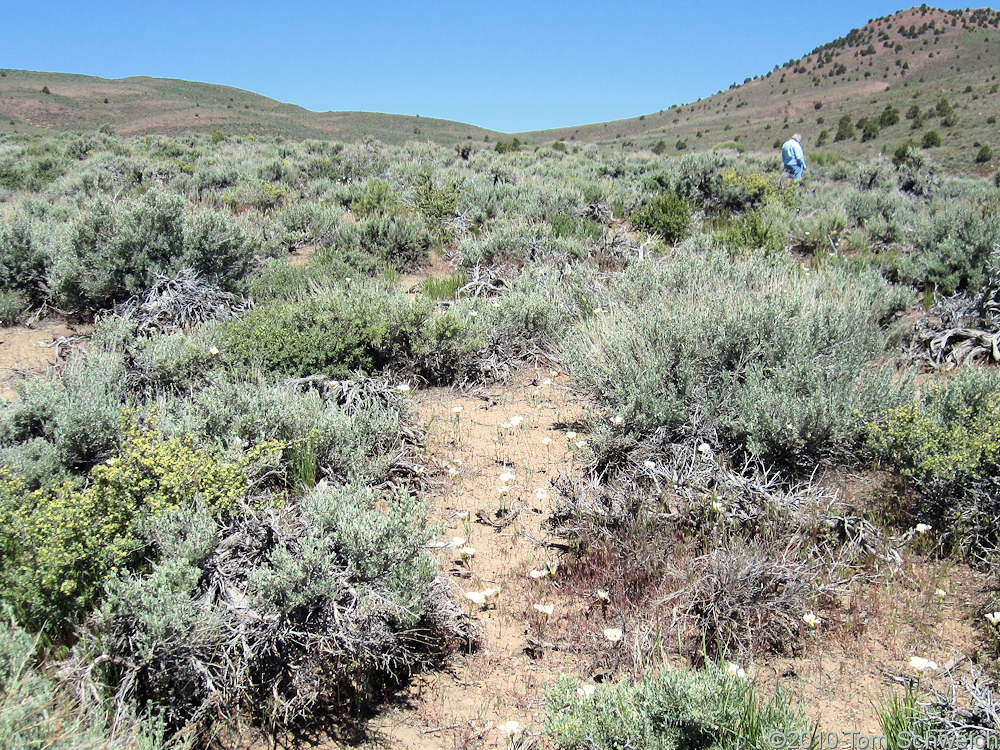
{"x": 55, "y": 102}
{"x": 892, "y": 72}
{"x": 913, "y": 58}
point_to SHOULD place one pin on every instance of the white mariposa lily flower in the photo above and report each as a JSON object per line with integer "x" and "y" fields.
{"x": 922, "y": 665}
{"x": 545, "y": 609}
{"x": 614, "y": 635}
{"x": 476, "y": 597}
{"x": 511, "y": 728}
{"x": 735, "y": 670}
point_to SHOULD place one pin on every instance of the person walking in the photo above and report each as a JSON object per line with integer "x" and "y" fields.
{"x": 793, "y": 157}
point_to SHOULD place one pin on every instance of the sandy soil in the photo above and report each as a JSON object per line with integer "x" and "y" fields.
{"x": 27, "y": 351}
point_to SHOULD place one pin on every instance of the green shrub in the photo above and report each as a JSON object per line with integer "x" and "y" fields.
{"x": 667, "y": 216}
{"x": 329, "y": 602}
{"x": 676, "y": 709}
{"x": 752, "y": 230}
{"x": 377, "y": 198}
{"x": 931, "y": 139}
{"x": 334, "y": 333}
{"x": 23, "y": 263}
{"x": 444, "y": 288}
{"x": 339, "y": 331}
{"x": 785, "y": 365}
{"x": 845, "y": 129}
{"x": 984, "y": 155}
{"x": 60, "y": 544}
{"x": 435, "y": 203}
{"x": 948, "y": 448}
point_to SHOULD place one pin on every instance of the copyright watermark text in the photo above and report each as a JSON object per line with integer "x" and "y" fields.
{"x": 867, "y": 741}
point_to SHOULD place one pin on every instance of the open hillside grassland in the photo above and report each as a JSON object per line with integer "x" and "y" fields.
{"x": 446, "y": 447}
{"x": 923, "y": 76}
{"x": 886, "y": 78}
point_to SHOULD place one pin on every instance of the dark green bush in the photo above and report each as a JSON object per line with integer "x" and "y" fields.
{"x": 342, "y": 330}
{"x": 984, "y": 155}
{"x": 116, "y": 250}
{"x": 931, "y": 139}
{"x": 667, "y": 216}
{"x": 845, "y": 129}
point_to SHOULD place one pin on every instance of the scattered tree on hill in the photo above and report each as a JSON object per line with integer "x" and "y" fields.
{"x": 845, "y": 130}
{"x": 985, "y": 154}
{"x": 889, "y": 116}
{"x": 931, "y": 139}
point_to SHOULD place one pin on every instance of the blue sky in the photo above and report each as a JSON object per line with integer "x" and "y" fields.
{"x": 510, "y": 66}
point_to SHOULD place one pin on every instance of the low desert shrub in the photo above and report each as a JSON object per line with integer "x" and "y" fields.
{"x": 270, "y": 618}
{"x": 334, "y": 332}
{"x": 671, "y": 710}
{"x": 667, "y": 216}
{"x": 783, "y": 363}
{"x": 60, "y": 544}
{"x": 947, "y": 446}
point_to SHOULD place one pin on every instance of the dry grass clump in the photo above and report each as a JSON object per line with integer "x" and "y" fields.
{"x": 725, "y": 560}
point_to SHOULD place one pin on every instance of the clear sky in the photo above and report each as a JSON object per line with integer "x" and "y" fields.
{"x": 510, "y": 66}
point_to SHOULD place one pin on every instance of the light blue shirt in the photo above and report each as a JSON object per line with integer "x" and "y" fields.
{"x": 791, "y": 154}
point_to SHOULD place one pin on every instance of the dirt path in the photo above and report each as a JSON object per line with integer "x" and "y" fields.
{"x": 26, "y": 351}
{"x": 484, "y": 441}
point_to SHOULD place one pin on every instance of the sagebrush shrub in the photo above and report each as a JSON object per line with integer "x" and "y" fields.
{"x": 283, "y": 611}
{"x": 706, "y": 340}
{"x": 116, "y": 250}
{"x": 23, "y": 262}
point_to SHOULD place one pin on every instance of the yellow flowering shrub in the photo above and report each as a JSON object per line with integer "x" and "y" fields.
{"x": 59, "y": 543}
{"x": 753, "y": 188}
{"x": 965, "y": 447}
